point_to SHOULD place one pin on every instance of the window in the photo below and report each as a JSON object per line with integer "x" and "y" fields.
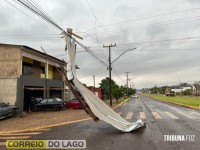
{"x": 58, "y": 99}
{"x": 27, "y": 69}
{"x": 44, "y": 101}
{"x": 50, "y": 100}
{"x": 42, "y": 70}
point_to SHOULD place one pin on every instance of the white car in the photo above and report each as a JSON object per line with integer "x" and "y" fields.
{"x": 134, "y": 96}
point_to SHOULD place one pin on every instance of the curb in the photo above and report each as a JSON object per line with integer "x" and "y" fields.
{"x": 58, "y": 124}
{"x": 191, "y": 107}
{"x": 53, "y": 125}
{"x": 121, "y": 104}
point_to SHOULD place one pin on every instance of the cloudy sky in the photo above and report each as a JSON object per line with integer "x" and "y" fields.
{"x": 166, "y": 36}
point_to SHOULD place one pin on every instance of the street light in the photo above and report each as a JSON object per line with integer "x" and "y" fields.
{"x": 122, "y": 54}
{"x": 110, "y": 67}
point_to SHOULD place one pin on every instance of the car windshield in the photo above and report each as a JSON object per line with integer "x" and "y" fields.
{"x": 74, "y": 99}
{"x": 38, "y": 99}
{"x": 58, "y": 99}
{"x": 50, "y": 100}
{"x": 43, "y": 101}
{"x": 3, "y": 105}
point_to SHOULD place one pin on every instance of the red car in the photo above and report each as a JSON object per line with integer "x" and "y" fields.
{"x": 73, "y": 103}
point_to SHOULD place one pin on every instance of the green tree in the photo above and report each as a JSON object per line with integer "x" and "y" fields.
{"x": 187, "y": 92}
{"x": 106, "y": 87}
{"x": 117, "y": 92}
{"x": 131, "y": 91}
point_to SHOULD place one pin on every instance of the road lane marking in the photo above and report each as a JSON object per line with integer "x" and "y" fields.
{"x": 28, "y": 133}
{"x": 186, "y": 115}
{"x": 119, "y": 113}
{"x": 194, "y": 113}
{"x": 142, "y": 115}
{"x": 121, "y": 104}
{"x": 156, "y": 115}
{"x": 129, "y": 115}
{"x": 171, "y": 115}
{"x": 13, "y": 137}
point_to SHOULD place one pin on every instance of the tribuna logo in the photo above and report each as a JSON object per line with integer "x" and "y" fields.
{"x": 174, "y": 138}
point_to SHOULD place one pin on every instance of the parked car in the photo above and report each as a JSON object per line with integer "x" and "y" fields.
{"x": 7, "y": 110}
{"x": 73, "y": 103}
{"x": 134, "y": 96}
{"x": 50, "y": 104}
{"x": 35, "y": 101}
{"x": 171, "y": 93}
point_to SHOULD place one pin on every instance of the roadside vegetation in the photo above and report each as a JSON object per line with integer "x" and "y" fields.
{"x": 192, "y": 101}
{"x": 119, "y": 92}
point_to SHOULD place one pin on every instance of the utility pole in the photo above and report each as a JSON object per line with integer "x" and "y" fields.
{"x": 46, "y": 74}
{"x": 94, "y": 82}
{"x": 127, "y": 81}
{"x": 110, "y": 68}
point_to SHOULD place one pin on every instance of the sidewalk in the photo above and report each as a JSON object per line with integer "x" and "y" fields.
{"x": 44, "y": 119}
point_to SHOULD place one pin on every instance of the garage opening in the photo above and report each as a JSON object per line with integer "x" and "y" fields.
{"x": 30, "y": 93}
{"x": 55, "y": 93}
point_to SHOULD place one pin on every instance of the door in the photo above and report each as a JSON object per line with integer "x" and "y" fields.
{"x": 50, "y": 104}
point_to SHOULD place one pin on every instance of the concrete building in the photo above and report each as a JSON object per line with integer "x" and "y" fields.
{"x": 196, "y": 89}
{"x": 27, "y": 73}
{"x": 97, "y": 91}
{"x": 183, "y": 89}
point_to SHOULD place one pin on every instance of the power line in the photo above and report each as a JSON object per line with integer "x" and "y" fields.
{"x": 151, "y": 25}
{"x": 31, "y": 6}
{"x": 158, "y": 41}
{"x": 148, "y": 17}
{"x": 91, "y": 10}
{"x": 29, "y": 35}
{"x": 164, "y": 50}
{"x": 34, "y": 9}
{"x": 96, "y": 19}
{"x": 122, "y": 47}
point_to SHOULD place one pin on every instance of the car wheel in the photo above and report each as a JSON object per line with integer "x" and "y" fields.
{"x": 58, "y": 108}
{"x": 37, "y": 109}
{"x": 15, "y": 113}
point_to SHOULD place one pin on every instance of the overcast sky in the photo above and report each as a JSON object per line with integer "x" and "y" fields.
{"x": 166, "y": 36}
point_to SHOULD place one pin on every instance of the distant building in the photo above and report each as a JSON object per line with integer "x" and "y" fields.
{"x": 26, "y": 73}
{"x": 178, "y": 90}
{"x": 196, "y": 89}
{"x": 97, "y": 91}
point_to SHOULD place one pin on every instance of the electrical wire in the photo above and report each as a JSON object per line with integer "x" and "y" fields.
{"x": 34, "y": 8}
{"x": 153, "y": 16}
{"x": 148, "y": 26}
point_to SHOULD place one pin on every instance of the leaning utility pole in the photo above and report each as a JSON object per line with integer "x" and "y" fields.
{"x": 110, "y": 68}
{"x": 127, "y": 81}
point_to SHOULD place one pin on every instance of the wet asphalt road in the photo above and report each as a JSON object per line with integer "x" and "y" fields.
{"x": 166, "y": 119}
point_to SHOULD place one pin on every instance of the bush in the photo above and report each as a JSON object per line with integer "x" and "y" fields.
{"x": 187, "y": 92}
